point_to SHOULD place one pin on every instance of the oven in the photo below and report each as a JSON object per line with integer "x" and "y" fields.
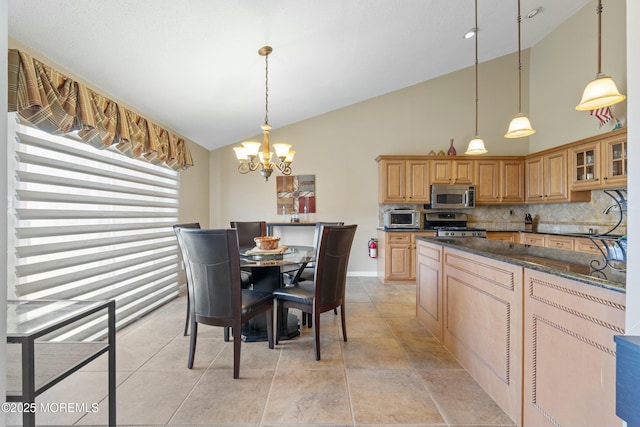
{"x": 451, "y": 224}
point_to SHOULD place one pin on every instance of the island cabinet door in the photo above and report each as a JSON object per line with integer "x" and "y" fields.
{"x": 569, "y": 360}
{"x": 429, "y": 287}
{"x": 482, "y": 301}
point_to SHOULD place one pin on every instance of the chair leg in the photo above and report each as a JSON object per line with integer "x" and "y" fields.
{"x": 270, "y": 327}
{"x": 186, "y": 321}
{"x": 276, "y": 322}
{"x": 344, "y": 324}
{"x": 316, "y": 333}
{"x": 192, "y": 343}
{"x": 237, "y": 341}
{"x": 226, "y": 333}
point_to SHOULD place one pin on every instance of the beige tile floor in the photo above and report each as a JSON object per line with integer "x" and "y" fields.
{"x": 391, "y": 372}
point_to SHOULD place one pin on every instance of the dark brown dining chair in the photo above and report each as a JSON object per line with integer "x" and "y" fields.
{"x": 181, "y": 247}
{"x": 217, "y": 298}
{"x": 307, "y": 272}
{"x": 329, "y": 284}
{"x": 247, "y": 230}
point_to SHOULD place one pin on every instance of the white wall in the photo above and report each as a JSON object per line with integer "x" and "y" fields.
{"x": 3, "y": 198}
{"x": 633, "y": 215}
{"x": 561, "y": 66}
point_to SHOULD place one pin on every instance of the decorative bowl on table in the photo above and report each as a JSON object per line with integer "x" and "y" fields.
{"x": 267, "y": 242}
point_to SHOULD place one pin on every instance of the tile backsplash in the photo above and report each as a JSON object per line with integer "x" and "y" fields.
{"x": 582, "y": 217}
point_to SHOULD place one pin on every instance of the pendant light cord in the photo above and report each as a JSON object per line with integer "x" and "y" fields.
{"x": 476, "y": 26}
{"x": 519, "y": 64}
{"x": 599, "y": 12}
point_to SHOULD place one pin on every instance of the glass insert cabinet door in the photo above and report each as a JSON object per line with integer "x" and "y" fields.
{"x": 599, "y": 163}
{"x": 617, "y": 162}
{"x": 586, "y": 164}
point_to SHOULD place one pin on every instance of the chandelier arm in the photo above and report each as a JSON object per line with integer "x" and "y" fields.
{"x": 283, "y": 167}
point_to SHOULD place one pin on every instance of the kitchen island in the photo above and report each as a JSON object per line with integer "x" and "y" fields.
{"x": 534, "y": 326}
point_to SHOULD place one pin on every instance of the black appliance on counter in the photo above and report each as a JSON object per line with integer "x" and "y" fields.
{"x": 451, "y": 224}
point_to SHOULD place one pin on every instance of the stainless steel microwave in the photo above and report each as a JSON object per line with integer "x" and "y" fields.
{"x": 402, "y": 218}
{"x": 453, "y": 196}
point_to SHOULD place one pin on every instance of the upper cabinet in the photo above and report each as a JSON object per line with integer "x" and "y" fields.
{"x": 447, "y": 171}
{"x": 403, "y": 180}
{"x": 546, "y": 179}
{"x": 499, "y": 180}
{"x": 599, "y": 162}
{"x": 566, "y": 173}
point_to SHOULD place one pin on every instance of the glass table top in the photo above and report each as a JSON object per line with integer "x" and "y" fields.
{"x": 31, "y": 317}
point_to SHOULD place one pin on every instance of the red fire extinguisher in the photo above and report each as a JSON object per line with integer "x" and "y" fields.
{"x": 373, "y": 248}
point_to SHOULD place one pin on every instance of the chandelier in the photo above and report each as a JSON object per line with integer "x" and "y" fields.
{"x": 250, "y": 156}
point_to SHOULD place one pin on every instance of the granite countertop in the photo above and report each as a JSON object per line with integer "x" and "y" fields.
{"x": 569, "y": 264}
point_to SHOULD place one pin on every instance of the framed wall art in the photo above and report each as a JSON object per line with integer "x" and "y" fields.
{"x": 296, "y": 194}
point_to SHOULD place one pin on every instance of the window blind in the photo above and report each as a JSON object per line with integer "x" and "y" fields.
{"x": 90, "y": 224}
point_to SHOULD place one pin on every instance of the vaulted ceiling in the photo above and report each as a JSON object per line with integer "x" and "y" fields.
{"x": 193, "y": 65}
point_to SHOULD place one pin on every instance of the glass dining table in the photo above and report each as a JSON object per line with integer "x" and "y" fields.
{"x": 266, "y": 269}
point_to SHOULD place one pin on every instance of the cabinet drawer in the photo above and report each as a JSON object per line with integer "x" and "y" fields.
{"x": 557, "y": 242}
{"x": 398, "y": 237}
{"x": 586, "y": 245}
{"x": 535, "y": 240}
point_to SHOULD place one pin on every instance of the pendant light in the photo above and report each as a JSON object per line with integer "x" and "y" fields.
{"x": 476, "y": 145}
{"x": 602, "y": 91}
{"x": 520, "y": 125}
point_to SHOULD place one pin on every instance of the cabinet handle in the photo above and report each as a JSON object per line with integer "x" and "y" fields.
{"x": 605, "y": 178}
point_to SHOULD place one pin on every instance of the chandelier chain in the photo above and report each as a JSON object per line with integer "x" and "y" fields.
{"x": 266, "y": 89}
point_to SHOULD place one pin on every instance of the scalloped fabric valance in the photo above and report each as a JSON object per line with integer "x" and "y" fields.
{"x": 56, "y": 104}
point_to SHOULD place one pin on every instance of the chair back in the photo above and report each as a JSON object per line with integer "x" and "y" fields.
{"x": 176, "y": 228}
{"x": 331, "y": 265}
{"x": 212, "y": 265}
{"x": 318, "y": 232}
{"x": 247, "y": 230}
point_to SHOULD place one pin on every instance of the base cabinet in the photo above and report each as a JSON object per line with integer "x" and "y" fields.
{"x": 569, "y": 360}
{"x": 482, "y": 298}
{"x": 541, "y": 345}
{"x": 429, "y": 287}
{"x": 397, "y": 255}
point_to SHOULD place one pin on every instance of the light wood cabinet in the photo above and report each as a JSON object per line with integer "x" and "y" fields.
{"x": 397, "y": 255}
{"x": 429, "y": 287}
{"x": 569, "y": 351}
{"x": 546, "y": 179}
{"x": 599, "y": 162}
{"x": 482, "y": 305}
{"x": 559, "y": 242}
{"x": 586, "y": 245}
{"x": 505, "y": 236}
{"x": 499, "y": 181}
{"x": 448, "y": 171}
{"x": 403, "y": 180}
{"x": 541, "y": 345}
{"x": 533, "y": 239}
